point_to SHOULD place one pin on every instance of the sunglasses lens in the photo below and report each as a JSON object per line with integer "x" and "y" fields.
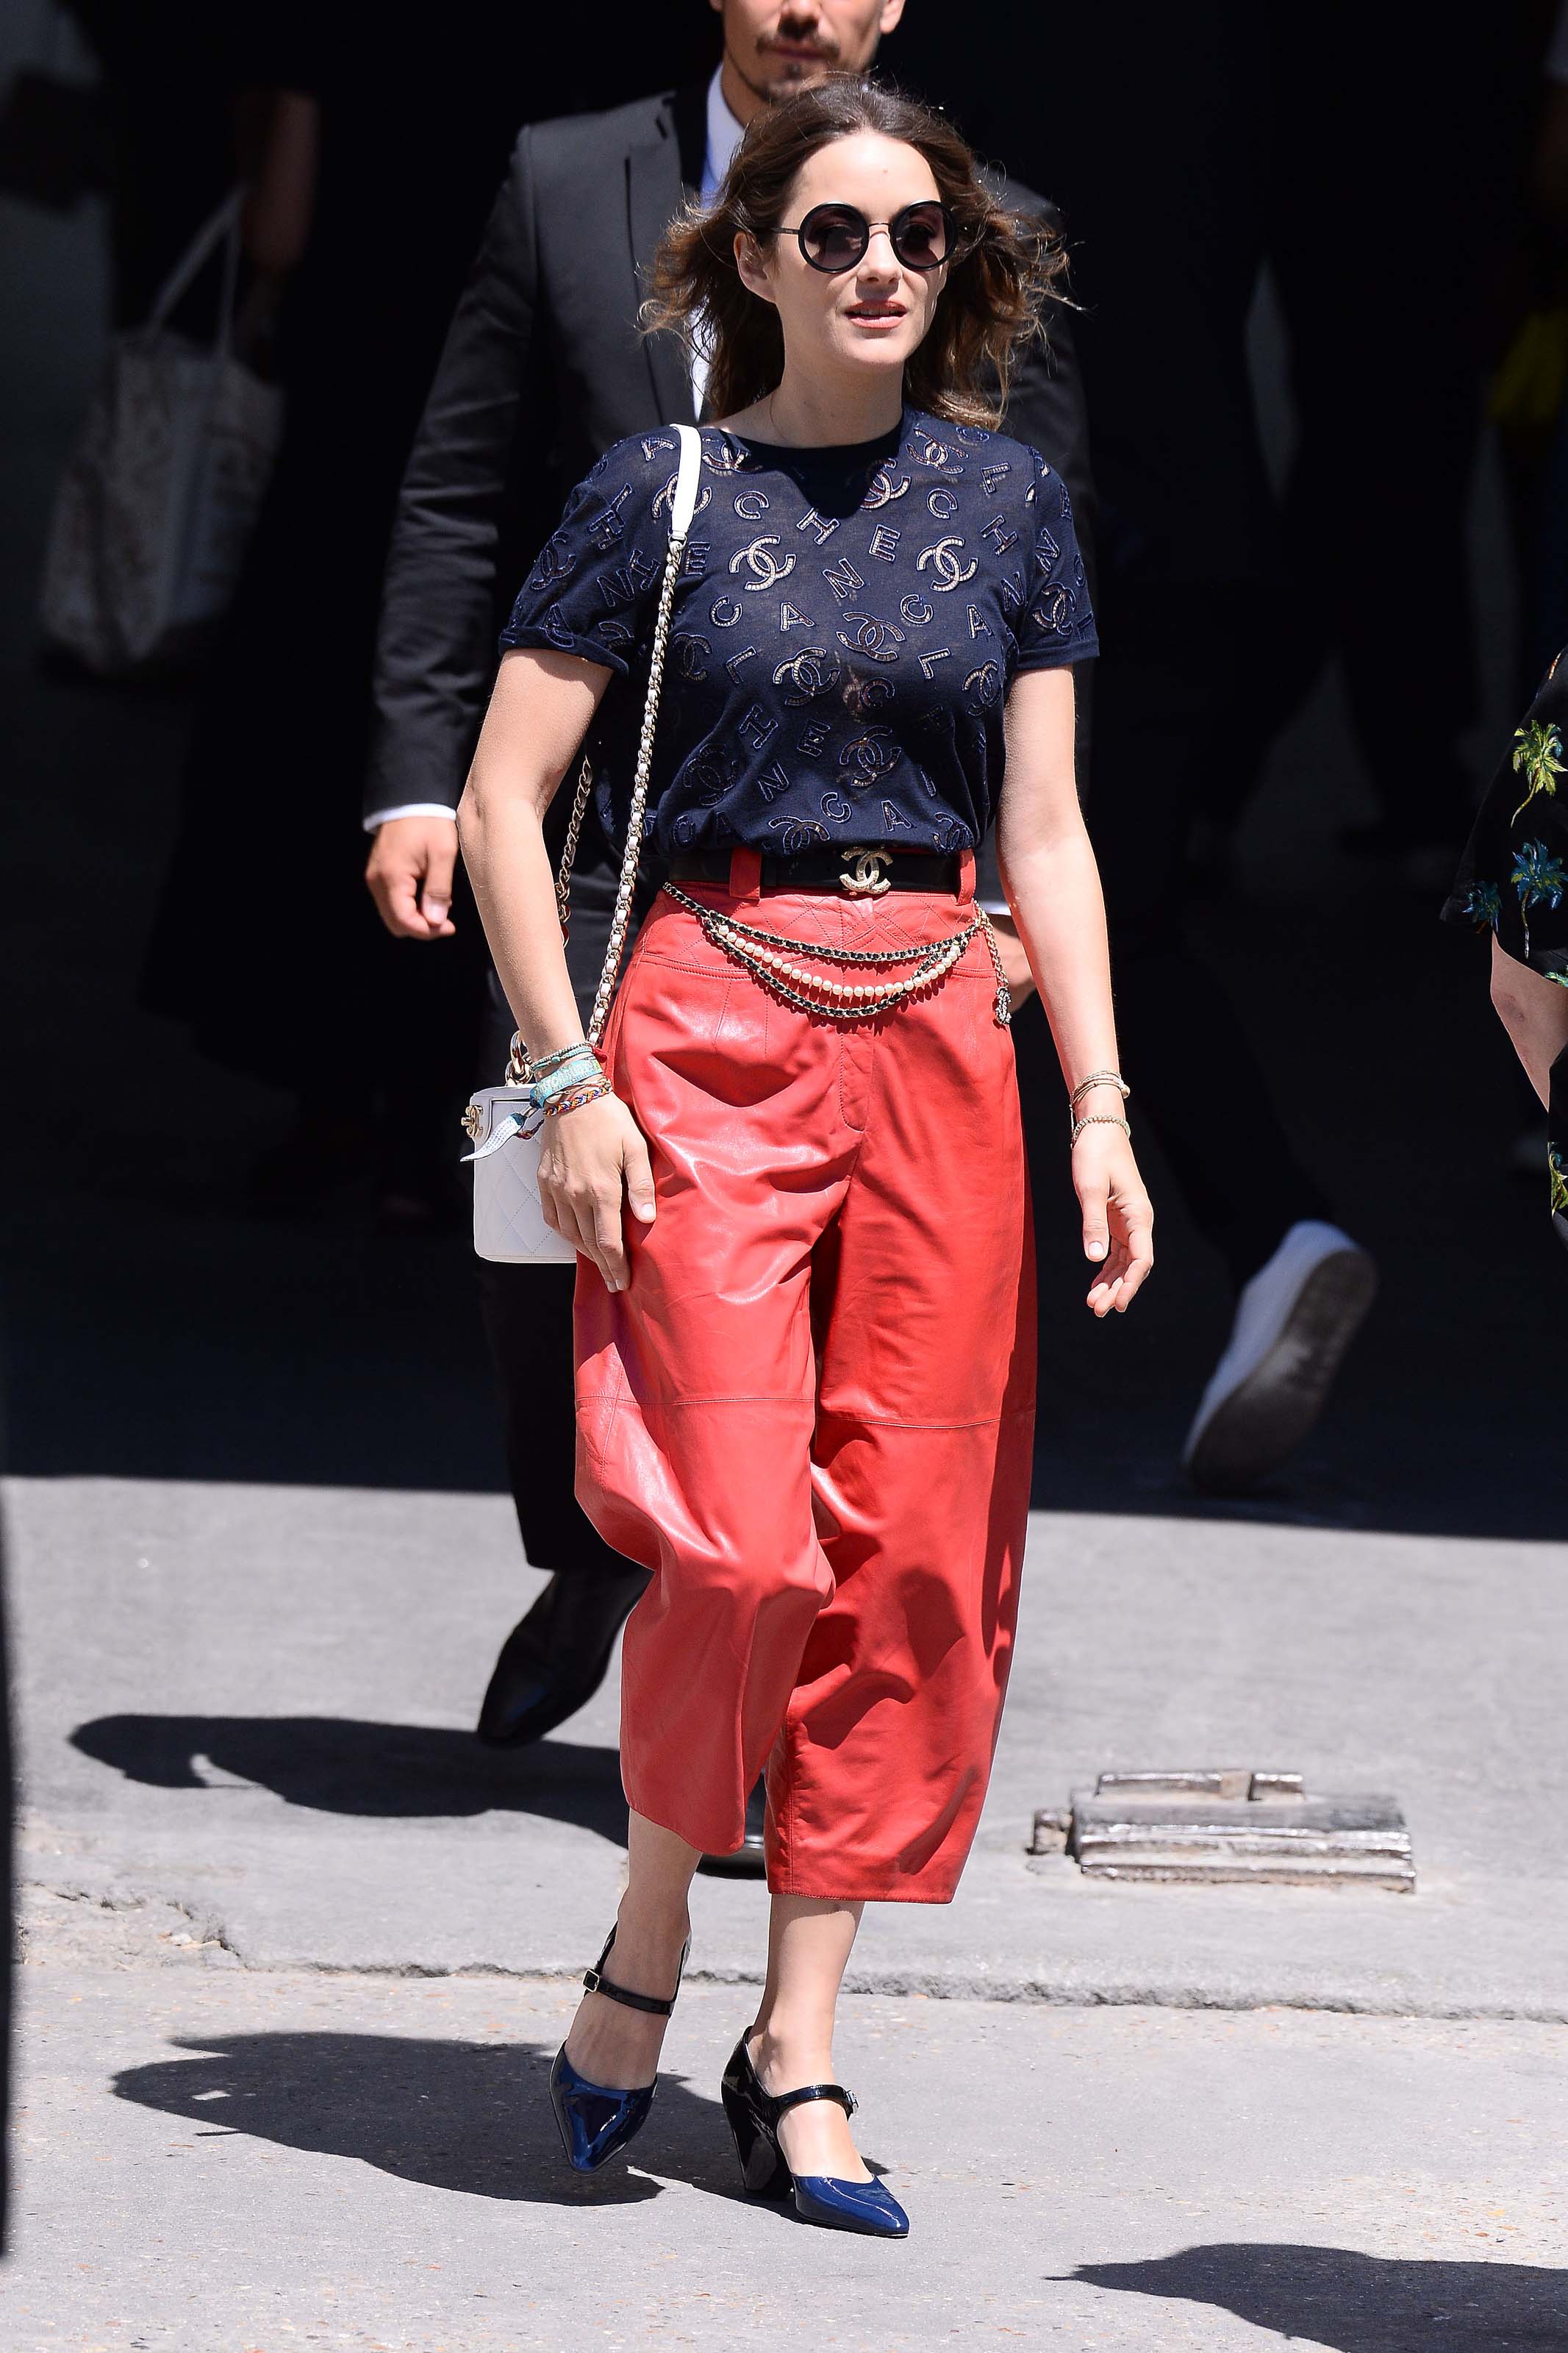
{"x": 834, "y": 238}
{"x": 920, "y": 237}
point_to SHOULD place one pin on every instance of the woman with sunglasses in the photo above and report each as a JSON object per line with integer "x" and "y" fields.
{"x": 806, "y": 1295}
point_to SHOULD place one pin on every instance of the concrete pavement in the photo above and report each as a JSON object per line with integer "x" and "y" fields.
{"x": 296, "y": 1952}
{"x": 215, "y": 2158}
{"x": 256, "y": 1701}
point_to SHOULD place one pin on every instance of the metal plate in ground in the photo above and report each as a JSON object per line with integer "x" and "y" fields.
{"x": 1231, "y": 1825}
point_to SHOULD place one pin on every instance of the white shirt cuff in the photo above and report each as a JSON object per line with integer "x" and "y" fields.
{"x": 411, "y": 808}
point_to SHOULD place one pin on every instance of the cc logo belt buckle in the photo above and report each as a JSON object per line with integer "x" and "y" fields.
{"x": 864, "y": 875}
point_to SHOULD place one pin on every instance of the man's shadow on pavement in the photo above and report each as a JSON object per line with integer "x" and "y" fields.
{"x": 338, "y": 1765}
{"x": 455, "y": 2116}
{"x": 1358, "y": 2303}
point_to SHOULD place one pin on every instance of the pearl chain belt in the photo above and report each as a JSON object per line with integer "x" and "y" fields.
{"x": 769, "y": 956}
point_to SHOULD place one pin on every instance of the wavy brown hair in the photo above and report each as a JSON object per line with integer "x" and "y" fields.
{"x": 990, "y": 308}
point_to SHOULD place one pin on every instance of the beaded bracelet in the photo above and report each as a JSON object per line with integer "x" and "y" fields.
{"x": 1099, "y": 1079}
{"x": 573, "y": 1098}
{"x": 1096, "y": 1119}
{"x": 551, "y": 1065}
{"x": 563, "y": 1053}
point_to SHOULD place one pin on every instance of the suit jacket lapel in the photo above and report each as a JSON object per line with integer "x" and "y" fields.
{"x": 654, "y": 192}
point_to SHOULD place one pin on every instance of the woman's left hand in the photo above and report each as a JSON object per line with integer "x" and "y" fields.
{"x": 1118, "y": 1217}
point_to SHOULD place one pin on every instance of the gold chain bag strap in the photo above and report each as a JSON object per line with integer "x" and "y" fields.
{"x": 501, "y": 1121}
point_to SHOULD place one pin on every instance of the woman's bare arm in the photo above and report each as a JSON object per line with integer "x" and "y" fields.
{"x": 594, "y": 1160}
{"x": 1534, "y": 1012}
{"x": 537, "y": 716}
{"x": 1053, "y": 888}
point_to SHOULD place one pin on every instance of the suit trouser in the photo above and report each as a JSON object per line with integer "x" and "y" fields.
{"x": 811, "y": 1413}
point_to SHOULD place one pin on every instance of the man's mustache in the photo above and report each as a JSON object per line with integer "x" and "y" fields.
{"x": 826, "y": 52}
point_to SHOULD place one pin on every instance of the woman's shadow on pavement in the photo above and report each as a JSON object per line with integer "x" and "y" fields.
{"x": 339, "y": 1765}
{"x": 1358, "y": 2303}
{"x": 453, "y": 2115}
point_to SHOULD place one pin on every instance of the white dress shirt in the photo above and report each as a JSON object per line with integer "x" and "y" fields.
{"x": 723, "y": 138}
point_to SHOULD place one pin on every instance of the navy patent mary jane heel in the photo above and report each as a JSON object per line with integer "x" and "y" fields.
{"x": 753, "y": 2117}
{"x": 596, "y": 2122}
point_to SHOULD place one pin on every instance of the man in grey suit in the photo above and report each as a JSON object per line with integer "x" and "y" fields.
{"x": 543, "y": 371}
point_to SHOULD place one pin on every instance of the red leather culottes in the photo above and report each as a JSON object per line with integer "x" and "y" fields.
{"x": 811, "y": 1413}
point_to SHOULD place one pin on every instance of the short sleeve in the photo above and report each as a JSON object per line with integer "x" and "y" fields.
{"x": 593, "y": 585}
{"x": 1057, "y": 625}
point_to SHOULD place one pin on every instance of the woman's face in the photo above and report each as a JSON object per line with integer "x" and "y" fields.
{"x": 873, "y": 314}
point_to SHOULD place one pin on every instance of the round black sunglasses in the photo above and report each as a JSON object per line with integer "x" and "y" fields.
{"x": 835, "y": 238}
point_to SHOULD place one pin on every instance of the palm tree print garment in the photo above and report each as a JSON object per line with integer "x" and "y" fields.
{"x": 1513, "y": 878}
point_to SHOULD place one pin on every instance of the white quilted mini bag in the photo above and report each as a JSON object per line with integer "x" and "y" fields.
{"x": 501, "y": 1121}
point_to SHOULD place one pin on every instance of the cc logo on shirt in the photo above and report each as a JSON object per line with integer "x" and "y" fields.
{"x": 666, "y": 499}
{"x": 945, "y": 564}
{"x": 880, "y": 639}
{"x": 766, "y": 571}
{"x": 553, "y": 564}
{"x": 883, "y": 491}
{"x": 810, "y": 672}
{"x": 872, "y": 755}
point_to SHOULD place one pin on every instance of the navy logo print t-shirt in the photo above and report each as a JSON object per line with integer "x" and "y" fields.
{"x": 845, "y": 627}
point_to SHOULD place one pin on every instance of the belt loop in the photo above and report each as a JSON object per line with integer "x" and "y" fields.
{"x": 746, "y": 874}
{"x": 965, "y": 874}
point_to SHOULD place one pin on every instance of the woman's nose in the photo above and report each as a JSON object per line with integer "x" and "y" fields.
{"x": 879, "y": 260}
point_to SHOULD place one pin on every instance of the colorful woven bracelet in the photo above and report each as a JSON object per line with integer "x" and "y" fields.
{"x": 576, "y": 1097}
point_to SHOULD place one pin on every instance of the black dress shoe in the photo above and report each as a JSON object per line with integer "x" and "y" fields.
{"x": 556, "y": 1659}
{"x": 747, "y": 1861}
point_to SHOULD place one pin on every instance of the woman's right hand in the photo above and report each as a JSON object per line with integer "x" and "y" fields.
{"x": 593, "y": 1164}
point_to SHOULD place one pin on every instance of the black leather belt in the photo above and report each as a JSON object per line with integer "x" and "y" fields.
{"x": 854, "y": 874}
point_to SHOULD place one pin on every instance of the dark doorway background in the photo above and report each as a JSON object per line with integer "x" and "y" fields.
{"x": 153, "y": 1331}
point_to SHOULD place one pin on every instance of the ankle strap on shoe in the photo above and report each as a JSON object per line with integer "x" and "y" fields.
{"x": 781, "y": 2102}
{"x": 596, "y": 1982}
